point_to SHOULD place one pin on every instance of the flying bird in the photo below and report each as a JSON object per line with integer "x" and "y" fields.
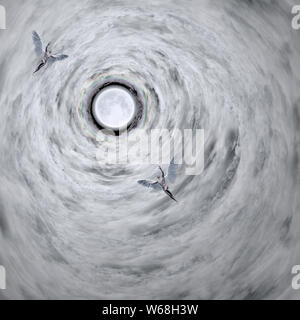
{"x": 162, "y": 180}
{"x": 46, "y": 55}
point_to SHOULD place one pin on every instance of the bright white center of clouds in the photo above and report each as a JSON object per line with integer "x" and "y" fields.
{"x": 113, "y": 107}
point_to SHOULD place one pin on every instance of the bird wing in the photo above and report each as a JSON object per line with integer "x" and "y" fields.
{"x": 47, "y": 47}
{"x": 38, "y": 46}
{"x": 58, "y": 57}
{"x": 150, "y": 184}
{"x": 171, "y": 176}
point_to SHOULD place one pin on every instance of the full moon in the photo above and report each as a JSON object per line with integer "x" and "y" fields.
{"x": 113, "y": 107}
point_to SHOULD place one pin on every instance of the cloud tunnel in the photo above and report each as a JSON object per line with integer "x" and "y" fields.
{"x": 72, "y": 227}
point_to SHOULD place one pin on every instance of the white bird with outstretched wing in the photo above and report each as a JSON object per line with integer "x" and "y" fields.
{"x": 162, "y": 181}
{"x": 45, "y": 56}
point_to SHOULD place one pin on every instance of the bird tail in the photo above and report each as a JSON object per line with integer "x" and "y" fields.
{"x": 39, "y": 67}
{"x": 170, "y": 195}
